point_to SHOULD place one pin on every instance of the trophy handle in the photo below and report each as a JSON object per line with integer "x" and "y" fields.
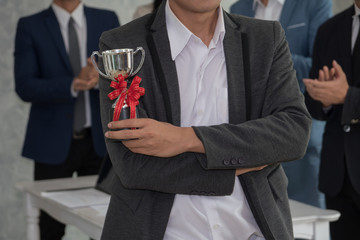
{"x": 141, "y": 61}
{"x": 95, "y": 64}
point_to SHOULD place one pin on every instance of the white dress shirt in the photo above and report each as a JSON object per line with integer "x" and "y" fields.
{"x": 202, "y": 79}
{"x": 270, "y": 12}
{"x": 63, "y": 18}
{"x": 355, "y": 27}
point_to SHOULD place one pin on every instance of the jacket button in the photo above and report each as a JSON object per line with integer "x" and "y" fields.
{"x": 226, "y": 162}
{"x": 234, "y": 161}
{"x": 347, "y": 128}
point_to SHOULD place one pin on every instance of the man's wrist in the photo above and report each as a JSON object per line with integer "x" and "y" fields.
{"x": 191, "y": 141}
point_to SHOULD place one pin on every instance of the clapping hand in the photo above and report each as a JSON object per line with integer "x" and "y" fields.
{"x": 87, "y": 78}
{"x": 330, "y": 88}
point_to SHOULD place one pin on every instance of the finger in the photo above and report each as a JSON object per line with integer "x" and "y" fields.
{"x": 332, "y": 73}
{"x": 315, "y": 89}
{"x": 317, "y": 84}
{"x": 92, "y": 83}
{"x": 307, "y": 81}
{"x": 326, "y": 73}
{"x": 313, "y": 83}
{"x": 79, "y": 84}
{"x": 89, "y": 62}
{"x": 321, "y": 75}
{"x": 240, "y": 171}
{"x": 127, "y": 123}
{"x": 123, "y": 134}
{"x": 262, "y": 167}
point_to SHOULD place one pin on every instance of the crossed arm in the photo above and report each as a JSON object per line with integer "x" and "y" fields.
{"x": 159, "y": 139}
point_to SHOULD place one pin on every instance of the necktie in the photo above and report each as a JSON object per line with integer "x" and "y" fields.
{"x": 356, "y": 60}
{"x": 74, "y": 55}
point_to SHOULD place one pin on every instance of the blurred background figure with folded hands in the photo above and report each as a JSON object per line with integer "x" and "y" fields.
{"x": 54, "y": 74}
{"x": 333, "y": 94}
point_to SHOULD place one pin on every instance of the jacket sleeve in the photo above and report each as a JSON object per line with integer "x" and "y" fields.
{"x": 279, "y": 135}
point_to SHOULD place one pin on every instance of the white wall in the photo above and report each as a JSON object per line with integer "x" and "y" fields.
{"x": 14, "y": 112}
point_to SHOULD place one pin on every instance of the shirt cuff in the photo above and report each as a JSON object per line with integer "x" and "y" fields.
{"x": 327, "y": 109}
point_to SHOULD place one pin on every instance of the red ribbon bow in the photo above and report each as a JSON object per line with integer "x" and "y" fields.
{"x": 133, "y": 94}
{"x": 130, "y": 96}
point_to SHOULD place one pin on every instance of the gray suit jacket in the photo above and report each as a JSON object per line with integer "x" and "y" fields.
{"x": 268, "y": 124}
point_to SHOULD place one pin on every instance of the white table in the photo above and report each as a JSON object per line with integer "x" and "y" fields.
{"x": 309, "y": 222}
{"x": 83, "y": 218}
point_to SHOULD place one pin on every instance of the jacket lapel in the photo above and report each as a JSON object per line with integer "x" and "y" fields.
{"x": 238, "y": 71}
{"x": 92, "y": 42}
{"x": 344, "y": 29}
{"x": 165, "y": 68}
{"x": 54, "y": 29}
{"x": 287, "y": 12}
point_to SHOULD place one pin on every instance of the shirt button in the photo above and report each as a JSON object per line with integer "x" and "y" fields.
{"x": 347, "y": 128}
{"x": 216, "y": 226}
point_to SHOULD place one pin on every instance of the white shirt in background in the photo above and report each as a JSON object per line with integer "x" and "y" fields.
{"x": 270, "y": 12}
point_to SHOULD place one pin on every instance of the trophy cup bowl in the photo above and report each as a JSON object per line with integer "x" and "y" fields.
{"x": 118, "y": 61}
{"x": 115, "y": 62}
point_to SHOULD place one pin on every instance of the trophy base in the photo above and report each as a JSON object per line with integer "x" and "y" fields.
{"x": 125, "y": 114}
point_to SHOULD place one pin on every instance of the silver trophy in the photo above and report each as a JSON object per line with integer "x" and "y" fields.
{"x": 118, "y": 61}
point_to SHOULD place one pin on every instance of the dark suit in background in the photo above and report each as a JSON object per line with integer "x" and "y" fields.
{"x": 43, "y": 77}
{"x": 300, "y": 20}
{"x": 267, "y": 125}
{"x": 340, "y": 158}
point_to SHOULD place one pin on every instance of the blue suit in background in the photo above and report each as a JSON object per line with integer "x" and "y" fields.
{"x": 300, "y": 20}
{"x": 43, "y": 77}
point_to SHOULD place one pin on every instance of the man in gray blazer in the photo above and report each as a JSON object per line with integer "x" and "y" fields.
{"x": 222, "y": 109}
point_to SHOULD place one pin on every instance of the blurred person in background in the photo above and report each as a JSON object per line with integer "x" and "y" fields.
{"x": 54, "y": 74}
{"x": 333, "y": 94}
{"x": 300, "y": 20}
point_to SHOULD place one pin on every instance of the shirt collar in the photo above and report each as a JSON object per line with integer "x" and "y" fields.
{"x": 255, "y": 2}
{"x": 63, "y": 16}
{"x": 357, "y": 10}
{"x": 179, "y": 35}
